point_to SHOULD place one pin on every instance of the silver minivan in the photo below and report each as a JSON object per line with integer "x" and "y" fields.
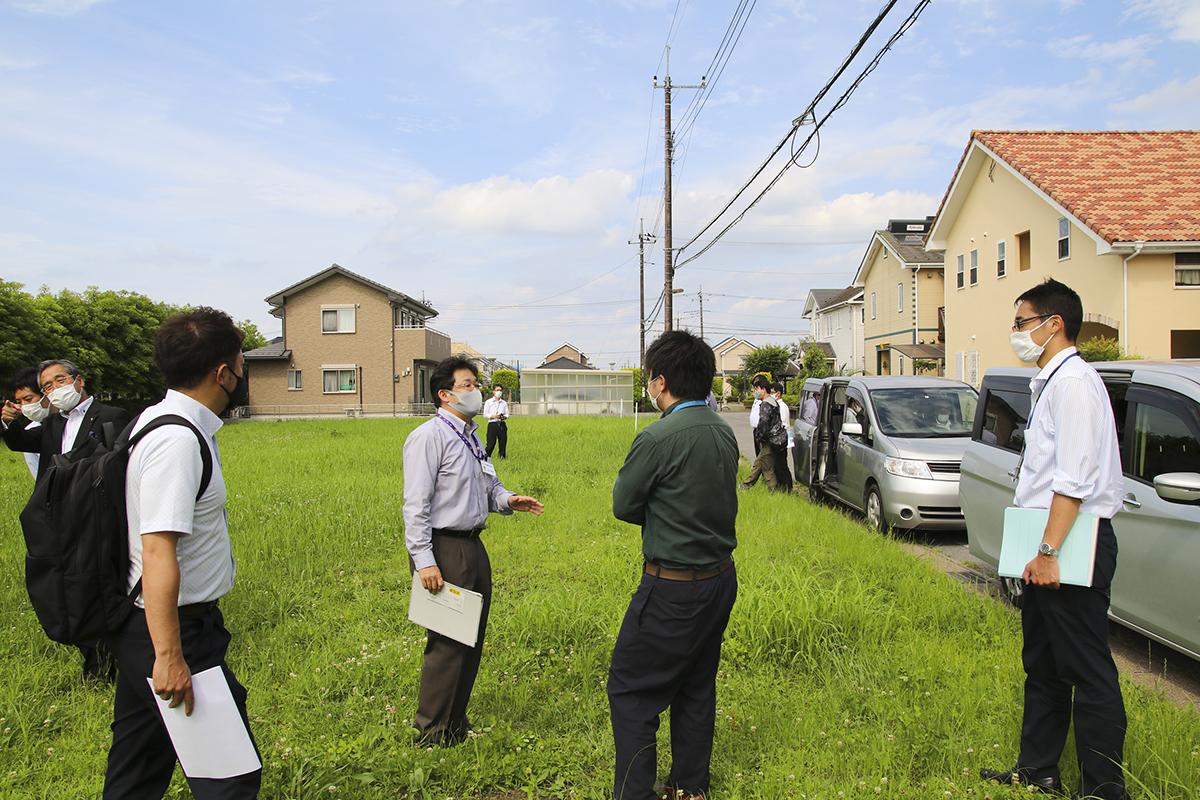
{"x": 1156, "y": 406}
{"x": 887, "y": 446}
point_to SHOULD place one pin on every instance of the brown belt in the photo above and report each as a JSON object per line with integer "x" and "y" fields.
{"x": 685, "y": 574}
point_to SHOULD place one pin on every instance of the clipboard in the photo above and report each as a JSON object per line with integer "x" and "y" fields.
{"x": 1023, "y": 531}
{"x": 454, "y": 612}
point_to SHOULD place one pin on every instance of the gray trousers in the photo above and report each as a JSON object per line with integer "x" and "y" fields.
{"x": 448, "y": 674}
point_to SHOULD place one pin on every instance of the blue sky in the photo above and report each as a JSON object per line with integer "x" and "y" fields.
{"x": 497, "y": 157}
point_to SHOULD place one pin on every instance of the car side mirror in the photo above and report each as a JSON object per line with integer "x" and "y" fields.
{"x": 852, "y": 429}
{"x": 1178, "y": 487}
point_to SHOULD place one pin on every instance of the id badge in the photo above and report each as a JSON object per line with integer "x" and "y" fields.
{"x": 488, "y": 467}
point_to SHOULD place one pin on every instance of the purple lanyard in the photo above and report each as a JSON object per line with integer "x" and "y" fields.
{"x": 476, "y": 451}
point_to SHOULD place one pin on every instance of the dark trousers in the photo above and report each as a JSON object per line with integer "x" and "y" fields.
{"x": 448, "y": 674}
{"x": 98, "y": 662}
{"x": 667, "y": 654}
{"x": 142, "y": 759}
{"x": 497, "y": 431}
{"x": 1066, "y": 647}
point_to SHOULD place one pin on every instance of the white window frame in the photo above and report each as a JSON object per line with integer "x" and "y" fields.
{"x": 974, "y": 267}
{"x": 960, "y": 280}
{"x": 1191, "y": 263}
{"x": 899, "y": 298}
{"x": 828, "y": 325}
{"x": 959, "y": 364}
{"x": 340, "y": 317}
{"x": 872, "y": 305}
{"x": 1001, "y": 259}
{"x": 295, "y": 381}
{"x": 1063, "y": 222}
{"x": 339, "y": 368}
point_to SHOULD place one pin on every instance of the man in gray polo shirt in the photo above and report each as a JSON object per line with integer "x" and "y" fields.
{"x": 180, "y": 550}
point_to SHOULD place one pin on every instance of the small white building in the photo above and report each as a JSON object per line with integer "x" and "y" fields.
{"x": 559, "y": 388}
{"x": 835, "y": 319}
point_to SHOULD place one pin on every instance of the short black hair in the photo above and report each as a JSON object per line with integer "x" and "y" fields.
{"x": 685, "y": 361}
{"x": 777, "y": 387}
{"x": 191, "y": 344}
{"x": 443, "y": 375}
{"x": 28, "y": 378}
{"x": 761, "y": 381}
{"x": 1053, "y": 298}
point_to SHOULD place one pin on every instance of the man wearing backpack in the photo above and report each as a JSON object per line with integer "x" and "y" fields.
{"x": 180, "y": 551}
{"x": 765, "y": 432}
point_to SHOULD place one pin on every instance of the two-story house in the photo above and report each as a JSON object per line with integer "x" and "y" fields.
{"x": 731, "y": 354}
{"x": 902, "y": 286}
{"x": 1115, "y": 215}
{"x": 348, "y": 343}
{"x": 835, "y": 321}
{"x": 567, "y": 350}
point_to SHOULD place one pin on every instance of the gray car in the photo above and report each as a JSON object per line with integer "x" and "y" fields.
{"x": 1156, "y": 406}
{"x": 887, "y": 446}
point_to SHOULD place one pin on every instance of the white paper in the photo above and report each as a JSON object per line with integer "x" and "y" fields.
{"x": 213, "y": 742}
{"x": 454, "y": 612}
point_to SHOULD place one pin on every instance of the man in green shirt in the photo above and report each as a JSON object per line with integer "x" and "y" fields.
{"x": 679, "y": 483}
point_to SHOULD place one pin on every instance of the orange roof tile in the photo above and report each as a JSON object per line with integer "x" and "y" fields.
{"x": 1127, "y": 186}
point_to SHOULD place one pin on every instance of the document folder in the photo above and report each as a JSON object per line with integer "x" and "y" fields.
{"x": 1023, "y": 532}
{"x": 453, "y": 612}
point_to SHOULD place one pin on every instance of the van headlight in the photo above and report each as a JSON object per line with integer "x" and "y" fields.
{"x": 907, "y": 468}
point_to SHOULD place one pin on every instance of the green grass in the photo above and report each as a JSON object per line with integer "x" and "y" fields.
{"x": 850, "y": 669}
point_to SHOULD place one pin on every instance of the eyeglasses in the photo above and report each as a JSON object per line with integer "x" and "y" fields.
{"x": 469, "y": 387}
{"x": 1020, "y": 321}
{"x": 61, "y": 379}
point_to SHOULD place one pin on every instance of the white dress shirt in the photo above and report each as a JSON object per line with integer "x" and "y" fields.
{"x": 160, "y": 496}
{"x": 446, "y": 484}
{"x": 754, "y": 413}
{"x": 74, "y": 420}
{"x": 493, "y": 407}
{"x": 1071, "y": 440}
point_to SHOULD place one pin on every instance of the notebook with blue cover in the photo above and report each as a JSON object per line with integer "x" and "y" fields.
{"x": 1023, "y": 531}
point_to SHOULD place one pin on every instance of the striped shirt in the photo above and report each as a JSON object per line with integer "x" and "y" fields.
{"x": 160, "y": 496}
{"x": 1071, "y": 441}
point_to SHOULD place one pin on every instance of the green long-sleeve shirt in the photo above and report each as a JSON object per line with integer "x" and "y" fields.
{"x": 679, "y": 482}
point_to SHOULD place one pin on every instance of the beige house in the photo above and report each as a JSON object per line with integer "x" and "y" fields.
{"x": 1115, "y": 215}
{"x": 903, "y": 294}
{"x": 731, "y": 355}
{"x": 570, "y": 351}
{"x": 349, "y": 345}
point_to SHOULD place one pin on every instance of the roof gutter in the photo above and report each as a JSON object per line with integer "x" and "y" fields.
{"x": 1137, "y": 250}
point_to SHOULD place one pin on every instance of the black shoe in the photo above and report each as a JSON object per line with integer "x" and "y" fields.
{"x": 1048, "y": 785}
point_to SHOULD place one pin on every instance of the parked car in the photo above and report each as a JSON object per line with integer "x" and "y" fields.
{"x": 889, "y": 447}
{"x": 1156, "y": 406}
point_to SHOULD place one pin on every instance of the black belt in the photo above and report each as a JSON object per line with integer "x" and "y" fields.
{"x": 196, "y": 609}
{"x": 471, "y": 534}
{"x": 650, "y": 568}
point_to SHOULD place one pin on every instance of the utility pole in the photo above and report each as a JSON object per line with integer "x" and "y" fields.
{"x": 701, "y": 312}
{"x": 669, "y": 147}
{"x": 643, "y": 237}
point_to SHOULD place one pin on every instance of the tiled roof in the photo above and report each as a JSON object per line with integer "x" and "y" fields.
{"x": 910, "y": 247}
{"x": 274, "y": 350}
{"x": 822, "y": 297}
{"x": 1127, "y": 186}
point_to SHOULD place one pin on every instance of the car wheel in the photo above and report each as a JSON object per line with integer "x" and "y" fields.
{"x": 873, "y": 508}
{"x": 1014, "y": 590}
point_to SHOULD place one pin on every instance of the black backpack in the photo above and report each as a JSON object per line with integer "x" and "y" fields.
{"x": 77, "y": 536}
{"x": 770, "y": 428}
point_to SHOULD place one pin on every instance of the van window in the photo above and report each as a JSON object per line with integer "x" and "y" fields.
{"x": 925, "y": 413}
{"x": 1004, "y": 416}
{"x": 1162, "y": 442}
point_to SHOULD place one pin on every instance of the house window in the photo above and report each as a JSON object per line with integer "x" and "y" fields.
{"x": 1023, "y": 250}
{"x": 1000, "y": 261}
{"x": 1187, "y": 270}
{"x": 974, "y": 267}
{"x": 960, "y": 276}
{"x": 337, "y": 319}
{"x": 339, "y": 380}
{"x": 294, "y": 381}
{"x": 1064, "y": 238}
{"x": 872, "y": 305}
{"x": 863, "y": 312}
{"x": 900, "y": 297}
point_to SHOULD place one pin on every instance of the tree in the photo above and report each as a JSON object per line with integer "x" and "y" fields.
{"x": 20, "y": 326}
{"x": 254, "y": 339}
{"x": 815, "y": 364}
{"x": 1102, "y": 348}
{"x": 770, "y": 358}
{"x": 511, "y": 382}
{"x": 737, "y": 386}
{"x": 718, "y": 388}
{"x": 639, "y": 388}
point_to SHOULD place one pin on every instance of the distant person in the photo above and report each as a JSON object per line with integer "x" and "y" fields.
{"x": 79, "y": 416}
{"x": 768, "y": 421}
{"x": 450, "y": 486}
{"x": 783, "y": 475}
{"x": 942, "y": 420}
{"x": 808, "y": 409}
{"x": 711, "y": 400}
{"x": 29, "y": 402}
{"x": 496, "y": 411}
{"x": 679, "y": 484}
{"x": 759, "y": 387}
{"x": 1070, "y": 465}
{"x": 179, "y": 548}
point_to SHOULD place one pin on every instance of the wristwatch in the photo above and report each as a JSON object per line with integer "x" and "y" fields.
{"x": 1045, "y": 549}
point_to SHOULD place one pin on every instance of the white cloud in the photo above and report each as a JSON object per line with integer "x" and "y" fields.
{"x": 8, "y": 62}
{"x": 1127, "y": 53}
{"x": 1170, "y": 95}
{"x": 56, "y": 8}
{"x": 1180, "y": 17}
{"x": 301, "y": 75}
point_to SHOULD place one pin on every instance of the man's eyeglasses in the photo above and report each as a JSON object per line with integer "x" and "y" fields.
{"x": 467, "y": 387}
{"x": 1020, "y": 321}
{"x": 62, "y": 379}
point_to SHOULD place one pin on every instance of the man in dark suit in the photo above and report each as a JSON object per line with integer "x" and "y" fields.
{"x": 80, "y": 416}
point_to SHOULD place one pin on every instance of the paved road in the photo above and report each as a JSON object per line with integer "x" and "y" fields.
{"x": 1143, "y": 660}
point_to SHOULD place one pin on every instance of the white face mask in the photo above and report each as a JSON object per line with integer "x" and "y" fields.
{"x": 654, "y": 398}
{"x": 469, "y": 403}
{"x": 943, "y": 419}
{"x": 1025, "y": 347}
{"x": 65, "y": 398}
{"x": 498, "y": 394}
{"x": 35, "y": 412}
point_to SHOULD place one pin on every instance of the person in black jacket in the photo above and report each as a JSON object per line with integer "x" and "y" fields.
{"x": 79, "y": 416}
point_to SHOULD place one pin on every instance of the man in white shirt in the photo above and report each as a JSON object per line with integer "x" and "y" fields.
{"x": 1070, "y": 465}
{"x": 450, "y": 486}
{"x": 180, "y": 551}
{"x": 496, "y": 411}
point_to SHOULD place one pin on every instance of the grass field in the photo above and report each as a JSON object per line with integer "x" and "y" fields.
{"x": 850, "y": 669}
